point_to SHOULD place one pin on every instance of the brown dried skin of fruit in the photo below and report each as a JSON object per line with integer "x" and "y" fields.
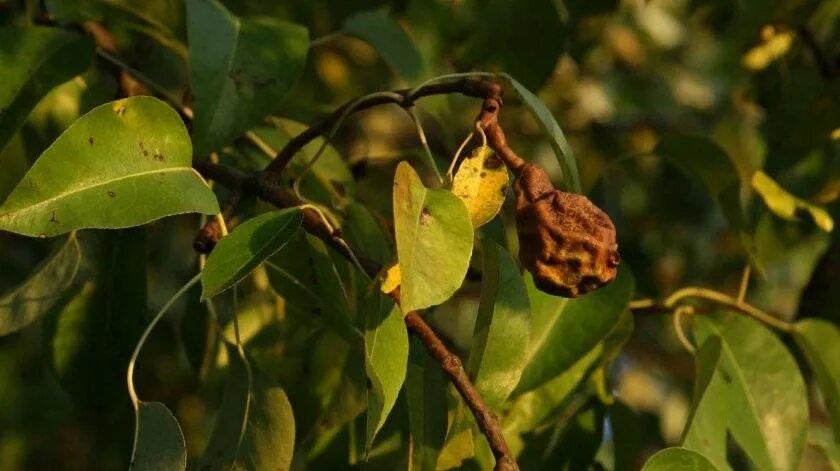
{"x": 566, "y": 242}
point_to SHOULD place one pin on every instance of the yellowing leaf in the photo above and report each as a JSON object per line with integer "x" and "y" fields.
{"x": 482, "y": 182}
{"x": 391, "y": 279}
{"x": 776, "y": 45}
{"x": 786, "y": 205}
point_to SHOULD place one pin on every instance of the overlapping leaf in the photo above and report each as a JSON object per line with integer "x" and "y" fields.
{"x": 386, "y": 360}
{"x": 820, "y": 341}
{"x": 425, "y": 388}
{"x": 387, "y": 37}
{"x": 160, "y": 443}
{"x": 678, "y": 459}
{"x": 549, "y": 126}
{"x": 291, "y": 272}
{"x": 240, "y": 69}
{"x": 33, "y": 61}
{"x": 44, "y": 288}
{"x": 255, "y": 428}
{"x": 123, "y": 164}
{"x": 248, "y": 246}
{"x": 434, "y": 240}
{"x": 482, "y": 182}
{"x": 705, "y": 431}
{"x": 764, "y": 390}
{"x": 564, "y": 330}
{"x": 502, "y": 328}
{"x": 89, "y": 340}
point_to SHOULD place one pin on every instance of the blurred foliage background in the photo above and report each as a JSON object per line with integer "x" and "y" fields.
{"x": 758, "y": 79}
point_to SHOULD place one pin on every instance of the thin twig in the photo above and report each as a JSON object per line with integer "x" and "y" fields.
{"x": 745, "y": 283}
{"x": 466, "y": 86}
{"x": 451, "y": 364}
{"x": 678, "y": 329}
{"x": 711, "y": 295}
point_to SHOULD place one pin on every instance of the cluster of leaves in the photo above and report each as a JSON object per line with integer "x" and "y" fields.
{"x": 288, "y": 355}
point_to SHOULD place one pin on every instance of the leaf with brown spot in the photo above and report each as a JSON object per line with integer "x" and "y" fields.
{"x": 481, "y": 181}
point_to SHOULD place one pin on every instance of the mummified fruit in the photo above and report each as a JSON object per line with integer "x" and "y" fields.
{"x": 566, "y": 242}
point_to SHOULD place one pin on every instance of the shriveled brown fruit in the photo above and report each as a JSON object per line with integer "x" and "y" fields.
{"x": 566, "y": 242}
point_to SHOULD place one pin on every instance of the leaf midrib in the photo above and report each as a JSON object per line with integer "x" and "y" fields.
{"x": 743, "y": 382}
{"x": 33, "y": 207}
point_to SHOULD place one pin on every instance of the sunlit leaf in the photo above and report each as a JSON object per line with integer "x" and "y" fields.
{"x": 705, "y": 431}
{"x": 248, "y": 246}
{"x": 386, "y": 360}
{"x": 549, "y": 126}
{"x": 160, "y": 442}
{"x": 389, "y": 39}
{"x": 787, "y": 206}
{"x": 482, "y": 182}
{"x": 123, "y": 164}
{"x": 391, "y": 279}
{"x": 425, "y": 387}
{"x": 434, "y": 240}
{"x": 564, "y": 330}
{"x": 38, "y": 294}
{"x": 502, "y": 328}
{"x": 819, "y": 340}
{"x": 240, "y": 69}
{"x": 767, "y": 402}
{"x": 90, "y": 340}
{"x": 33, "y": 61}
{"x": 678, "y": 459}
{"x": 255, "y": 428}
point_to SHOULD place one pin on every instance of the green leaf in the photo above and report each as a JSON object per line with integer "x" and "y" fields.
{"x": 549, "y": 126}
{"x": 787, "y": 206}
{"x": 533, "y": 408}
{"x": 34, "y": 60}
{"x": 819, "y": 340}
{"x": 248, "y": 246}
{"x": 768, "y": 406}
{"x": 386, "y": 359}
{"x": 459, "y": 444}
{"x": 240, "y": 69}
{"x": 44, "y": 288}
{"x": 634, "y": 434}
{"x": 362, "y": 230}
{"x": 482, "y": 182}
{"x": 329, "y": 181}
{"x": 291, "y": 273}
{"x": 572, "y": 442}
{"x": 255, "y": 427}
{"x": 564, "y": 330}
{"x": 502, "y": 328}
{"x": 160, "y": 443}
{"x": 678, "y": 459}
{"x": 387, "y": 36}
{"x": 425, "y": 388}
{"x": 123, "y": 164}
{"x": 531, "y": 57}
{"x": 700, "y": 159}
{"x": 705, "y": 431}
{"x": 90, "y": 341}
{"x": 434, "y": 240}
